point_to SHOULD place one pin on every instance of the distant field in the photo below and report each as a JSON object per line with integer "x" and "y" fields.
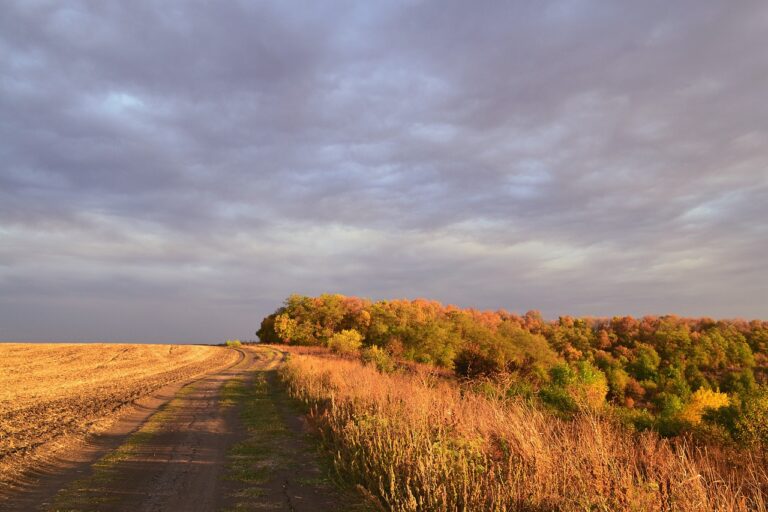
{"x": 53, "y": 392}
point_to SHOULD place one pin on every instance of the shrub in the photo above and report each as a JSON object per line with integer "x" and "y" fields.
{"x": 379, "y": 358}
{"x": 509, "y": 349}
{"x": 472, "y": 362}
{"x": 702, "y": 400}
{"x": 558, "y": 398}
{"x": 753, "y": 423}
{"x": 346, "y": 342}
{"x": 234, "y": 343}
{"x": 591, "y": 386}
{"x": 637, "y": 419}
{"x": 573, "y": 388}
{"x": 746, "y": 419}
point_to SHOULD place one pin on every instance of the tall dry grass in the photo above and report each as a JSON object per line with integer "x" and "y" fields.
{"x": 423, "y": 444}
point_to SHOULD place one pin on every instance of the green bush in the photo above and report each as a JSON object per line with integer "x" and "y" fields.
{"x": 639, "y": 419}
{"x": 346, "y": 342}
{"x": 378, "y": 357}
{"x": 558, "y": 398}
{"x": 591, "y": 386}
{"x": 583, "y": 386}
{"x": 753, "y": 424}
{"x": 234, "y": 343}
{"x": 746, "y": 419}
{"x": 472, "y": 362}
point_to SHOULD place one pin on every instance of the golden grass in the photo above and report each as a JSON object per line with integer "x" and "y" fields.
{"x": 53, "y": 393}
{"x": 424, "y": 444}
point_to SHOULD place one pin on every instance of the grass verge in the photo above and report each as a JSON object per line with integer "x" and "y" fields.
{"x": 249, "y": 461}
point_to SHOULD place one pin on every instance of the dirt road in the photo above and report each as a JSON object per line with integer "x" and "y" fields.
{"x": 229, "y": 441}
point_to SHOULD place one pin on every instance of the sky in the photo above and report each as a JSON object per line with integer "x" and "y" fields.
{"x": 172, "y": 171}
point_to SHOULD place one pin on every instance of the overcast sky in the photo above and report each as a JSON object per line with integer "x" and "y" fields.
{"x": 171, "y": 171}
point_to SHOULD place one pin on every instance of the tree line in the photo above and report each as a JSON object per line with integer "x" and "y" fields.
{"x": 665, "y": 372}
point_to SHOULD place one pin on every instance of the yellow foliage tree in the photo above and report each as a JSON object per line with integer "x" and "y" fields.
{"x": 702, "y": 400}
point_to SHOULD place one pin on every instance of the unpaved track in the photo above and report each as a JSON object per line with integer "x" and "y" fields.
{"x": 181, "y": 466}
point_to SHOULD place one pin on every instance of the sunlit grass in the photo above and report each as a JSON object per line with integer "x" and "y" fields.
{"x": 425, "y": 444}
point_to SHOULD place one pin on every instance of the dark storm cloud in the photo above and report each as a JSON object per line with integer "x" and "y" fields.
{"x": 173, "y": 170}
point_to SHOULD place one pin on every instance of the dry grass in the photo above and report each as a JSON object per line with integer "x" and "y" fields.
{"x": 420, "y": 443}
{"x": 53, "y": 393}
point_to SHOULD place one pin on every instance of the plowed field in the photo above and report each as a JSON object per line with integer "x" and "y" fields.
{"x": 51, "y": 394}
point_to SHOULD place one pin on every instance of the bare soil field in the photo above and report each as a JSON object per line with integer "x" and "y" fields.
{"x": 54, "y": 394}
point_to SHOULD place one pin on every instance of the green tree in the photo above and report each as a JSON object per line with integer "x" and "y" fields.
{"x": 646, "y": 363}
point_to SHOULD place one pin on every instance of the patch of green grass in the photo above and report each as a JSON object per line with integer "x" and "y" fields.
{"x": 232, "y": 392}
{"x": 251, "y": 460}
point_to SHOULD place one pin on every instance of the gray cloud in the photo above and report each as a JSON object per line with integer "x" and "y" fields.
{"x": 172, "y": 171}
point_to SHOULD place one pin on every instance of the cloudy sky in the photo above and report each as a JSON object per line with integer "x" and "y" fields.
{"x": 171, "y": 171}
